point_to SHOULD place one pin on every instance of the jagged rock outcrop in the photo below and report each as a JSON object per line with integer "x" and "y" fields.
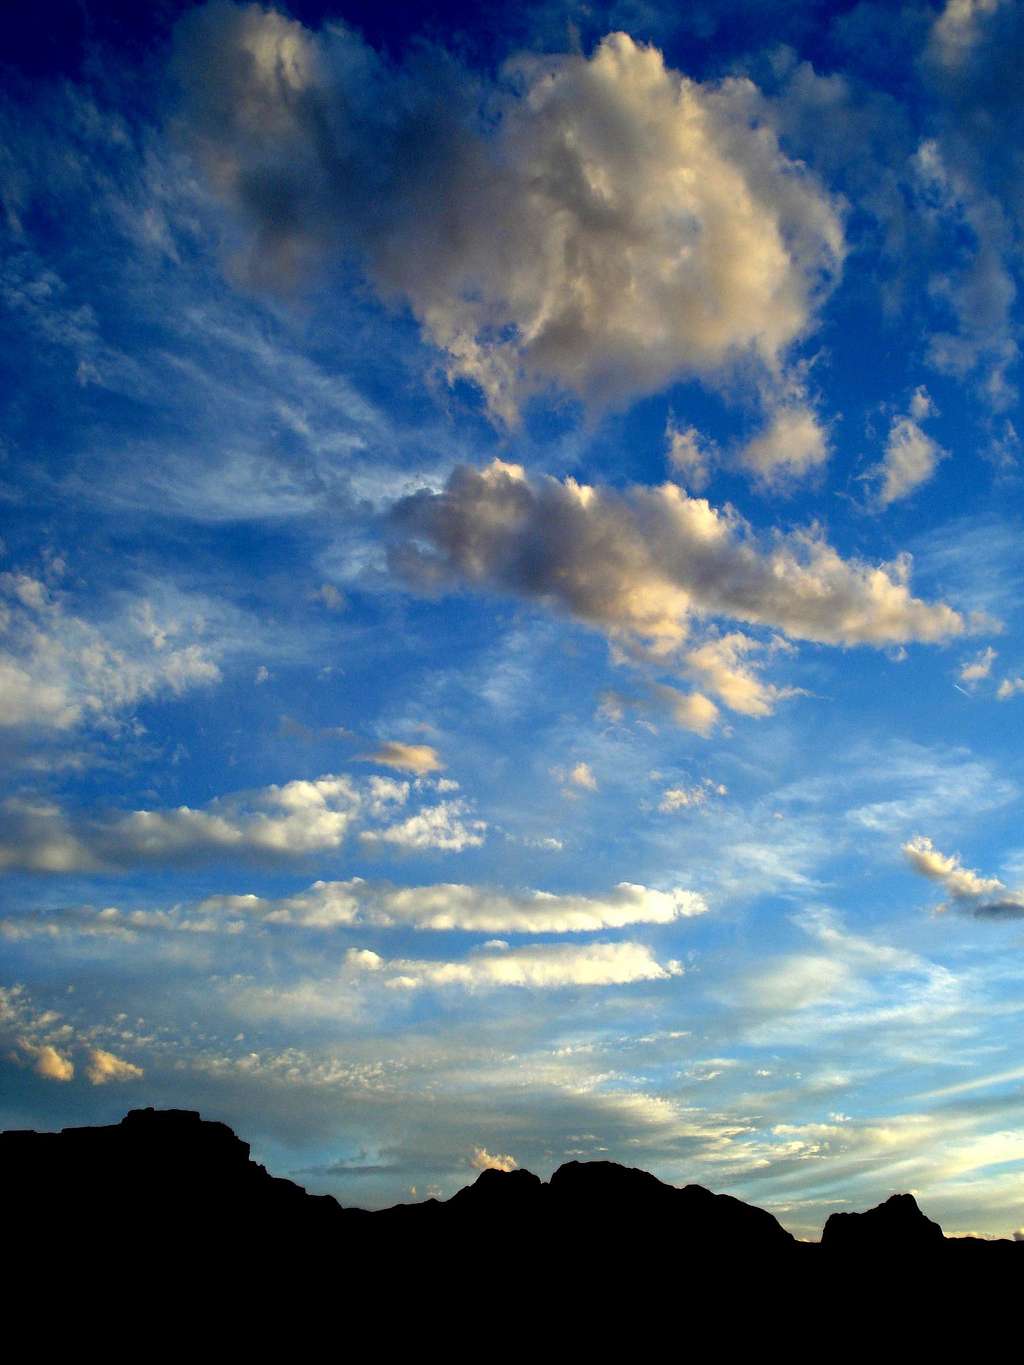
{"x": 898, "y": 1226}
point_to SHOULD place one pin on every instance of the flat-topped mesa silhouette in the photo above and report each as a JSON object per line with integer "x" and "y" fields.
{"x": 168, "y": 1188}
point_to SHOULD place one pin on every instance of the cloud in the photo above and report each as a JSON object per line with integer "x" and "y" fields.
{"x": 105, "y": 1067}
{"x": 793, "y": 445}
{"x": 442, "y": 827}
{"x": 540, "y": 966}
{"x": 59, "y": 670}
{"x": 690, "y": 455}
{"x": 956, "y": 30}
{"x": 690, "y": 798}
{"x": 48, "y": 1062}
{"x": 979, "y": 667}
{"x": 339, "y": 904}
{"x": 641, "y": 564}
{"x": 279, "y": 822}
{"x": 723, "y": 666}
{"x": 330, "y": 597}
{"x": 911, "y": 456}
{"x": 690, "y": 710}
{"x": 293, "y": 819}
{"x": 984, "y": 897}
{"x": 969, "y": 176}
{"x": 1009, "y": 687}
{"x": 482, "y": 1160}
{"x": 482, "y": 909}
{"x": 602, "y": 224}
{"x": 411, "y": 758}
{"x": 580, "y": 775}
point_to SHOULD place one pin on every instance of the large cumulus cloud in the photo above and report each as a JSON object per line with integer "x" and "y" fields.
{"x": 601, "y": 224}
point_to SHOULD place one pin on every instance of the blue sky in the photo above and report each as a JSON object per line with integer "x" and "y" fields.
{"x": 510, "y": 610}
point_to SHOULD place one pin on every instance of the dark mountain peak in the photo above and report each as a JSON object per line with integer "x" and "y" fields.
{"x": 607, "y": 1180}
{"x": 513, "y": 1194}
{"x": 492, "y": 1180}
{"x": 897, "y": 1224}
{"x": 170, "y": 1184}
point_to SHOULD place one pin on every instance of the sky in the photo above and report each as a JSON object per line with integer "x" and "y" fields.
{"x": 511, "y": 645}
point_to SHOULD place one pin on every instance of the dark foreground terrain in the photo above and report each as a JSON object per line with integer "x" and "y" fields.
{"x": 168, "y": 1205}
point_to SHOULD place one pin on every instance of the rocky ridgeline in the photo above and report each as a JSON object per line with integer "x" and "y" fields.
{"x": 165, "y": 1189}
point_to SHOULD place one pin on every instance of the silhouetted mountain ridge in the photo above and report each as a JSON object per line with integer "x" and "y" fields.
{"x": 170, "y": 1188}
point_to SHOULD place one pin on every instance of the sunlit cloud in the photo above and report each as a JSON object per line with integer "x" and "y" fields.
{"x": 640, "y": 564}
{"x": 980, "y": 896}
{"x": 647, "y": 231}
{"x": 411, "y": 758}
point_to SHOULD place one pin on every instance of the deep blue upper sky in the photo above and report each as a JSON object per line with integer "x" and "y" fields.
{"x": 510, "y": 598}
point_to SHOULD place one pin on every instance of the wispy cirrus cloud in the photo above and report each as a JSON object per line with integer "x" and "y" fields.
{"x": 60, "y": 670}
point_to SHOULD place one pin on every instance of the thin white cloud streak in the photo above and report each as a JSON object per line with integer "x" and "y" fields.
{"x": 441, "y": 907}
{"x": 281, "y": 821}
{"x": 616, "y": 226}
{"x": 541, "y": 966}
{"x": 640, "y": 565}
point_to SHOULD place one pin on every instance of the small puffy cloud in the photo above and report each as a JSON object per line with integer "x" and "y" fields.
{"x": 1010, "y": 687}
{"x": 410, "y": 758}
{"x": 641, "y": 563}
{"x": 541, "y": 966}
{"x": 985, "y": 897}
{"x": 690, "y": 798}
{"x": 105, "y": 1067}
{"x": 443, "y": 826}
{"x": 582, "y": 776}
{"x": 793, "y": 445}
{"x": 690, "y": 456}
{"x": 911, "y": 456}
{"x": 328, "y": 596}
{"x": 690, "y": 710}
{"x": 364, "y": 960}
{"x": 262, "y": 675}
{"x": 48, "y": 1062}
{"x": 608, "y": 227}
{"x": 979, "y": 667}
{"x": 483, "y": 1160}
